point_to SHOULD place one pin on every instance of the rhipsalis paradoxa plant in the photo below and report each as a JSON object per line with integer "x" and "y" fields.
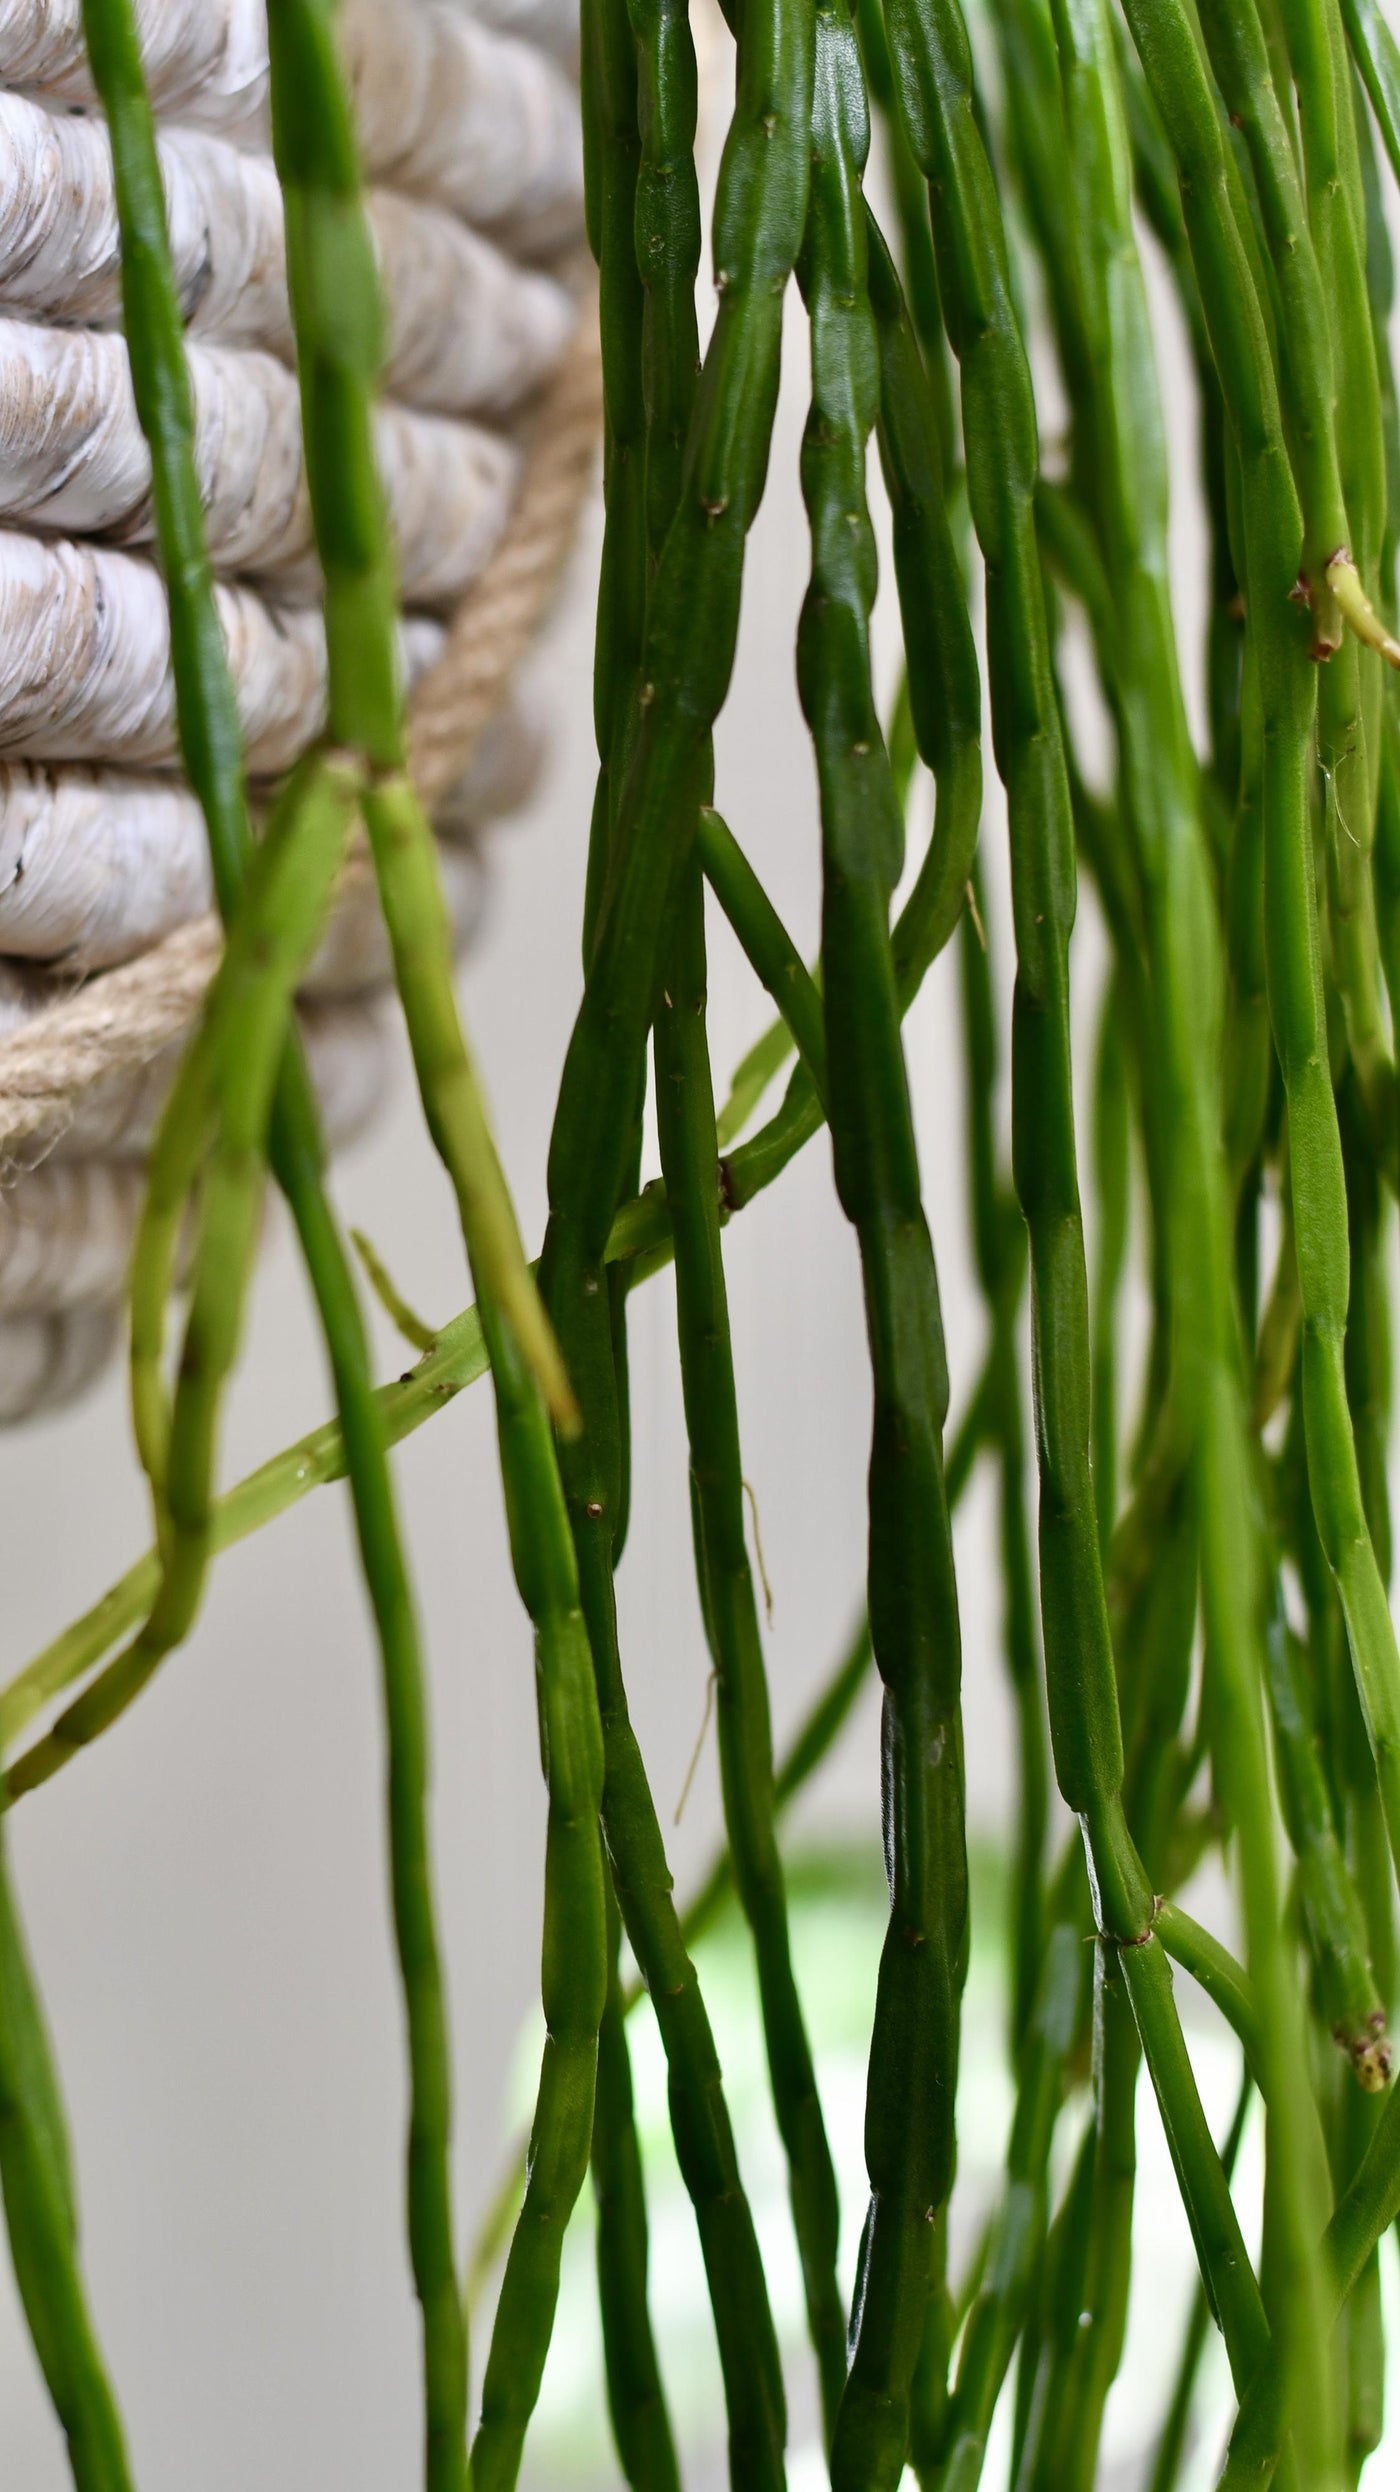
{"x": 1046, "y": 266}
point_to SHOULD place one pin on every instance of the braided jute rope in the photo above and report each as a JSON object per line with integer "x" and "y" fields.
{"x": 121, "y": 1019}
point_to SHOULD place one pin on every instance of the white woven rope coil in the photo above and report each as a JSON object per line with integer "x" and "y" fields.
{"x": 202, "y": 55}
{"x": 124, "y": 1018}
{"x": 206, "y": 60}
{"x": 114, "y": 1116}
{"x": 66, "y": 1235}
{"x": 60, "y": 261}
{"x": 447, "y": 108}
{"x": 85, "y": 660}
{"x": 68, "y": 1226}
{"x": 478, "y": 121}
{"x": 347, "y": 1052}
{"x": 73, "y": 458}
{"x": 96, "y": 866}
{"x": 103, "y": 857}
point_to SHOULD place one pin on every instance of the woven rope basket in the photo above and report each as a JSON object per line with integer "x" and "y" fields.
{"x": 468, "y": 119}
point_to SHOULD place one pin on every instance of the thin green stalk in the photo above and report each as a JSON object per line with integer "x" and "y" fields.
{"x": 1240, "y": 58}
{"x": 751, "y": 1078}
{"x": 1369, "y": 1362}
{"x": 1387, "y": 856}
{"x": 933, "y": 67}
{"x": 636, "y": 2398}
{"x": 1316, "y": 49}
{"x": 638, "y": 95}
{"x": 1349, "y": 694}
{"x": 667, "y": 239}
{"x": 1350, "y": 819}
{"x": 1035, "y": 145}
{"x": 1155, "y": 182}
{"x": 811, "y": 1744}
{"x": 1362, "y": 2349}
{"x": 686, "y": 1129}
{"x": 41, "y": 2215}
{"x": 418, "y": 1334}
{"x": 1364, "y": 2213}
{"x": 945, "y": 688}
{"x": 912, "y": 1588}
{"x": 1248, "y": 1039}
{"x": 999, "y": 1248}
{"x": 1164, "y": 797}
{"x": 946, "y": 708}
{"x": 179, "y": 1148}
{"x": 1351, "y": 2003}
{"x": 929, "y": 2397}
{"x": 273, "y": 937}
{"x": 1223, "y": 1980}
{"x": 1369, "y": 1379}
{"x": 364, "y": 1435}
{"x": 917, "y": 267}
{"x": 1111, "y": 1171}
{"x": 921, "y": 929}
{"x": 995, "y": 2318}
{"x": 929, "y": 40}
{"x": 768, "y": 947}
{"x": 1171, "y": 2447}
{"x": 1163, "y": 806}
{"x": 1157, "y": 1633}
{"x": 1272, "y": 538}
{"x": 1064, "y": 2455}
{"x": 415, "y": 913}
{"x": 1377, "y": 56}
{"x": 700, "y": 2121}
{"x": 210, "y": 738}
{"x": 334, "y": 287}
{"x": 335, "y": 309}
{"x": 1276, "y": 1345}
{"x": 1047, "y": 2345}
{"x": 575, "y": 1970}
{"x": 211, "y": 747}
{"x": 456, "y": 1360}
{"x": 1220, "y": 2250}
{"x": 611, "y": 156}
{"x": 692, "y": 625}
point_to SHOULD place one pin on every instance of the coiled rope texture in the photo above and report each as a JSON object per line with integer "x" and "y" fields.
{"x": 122, "y": 1018}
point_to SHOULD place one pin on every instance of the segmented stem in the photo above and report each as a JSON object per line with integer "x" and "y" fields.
{"x": 41, "y": 2217}
{"x": 692, "y": 623}
{"x": 575, "y": 1971}
{"x": 912, "y": 1595}
{"x": 930, "y": 45}
{"x": 231, "y": 1070}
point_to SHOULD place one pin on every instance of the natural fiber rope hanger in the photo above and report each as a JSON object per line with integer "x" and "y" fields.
{"x": 121, "y": 1018}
